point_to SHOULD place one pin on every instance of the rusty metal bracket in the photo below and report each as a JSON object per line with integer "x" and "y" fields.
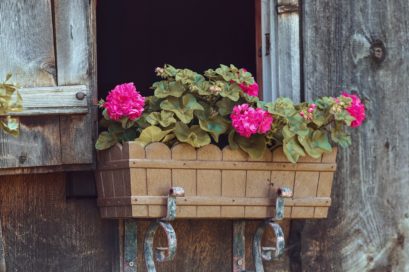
{"x": 130, "y": 246}
{"x": 163, "y": 254}
{"x": 239, "y": 246}
{"x": 261, "y": 253}
{"x": 171, "y": 208}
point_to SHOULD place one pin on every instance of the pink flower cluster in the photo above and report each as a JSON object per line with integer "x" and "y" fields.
{"x": 251, "y": 90}
{"x": 124, "y": 101}
{"x": 308, "y": 115}
{"x": 356, "y": 110}
{"x": 248, "y": 121}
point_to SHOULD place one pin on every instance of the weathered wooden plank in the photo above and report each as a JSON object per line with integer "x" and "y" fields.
{"x": 44, "y": 231}
{"x": 28, "y": 53}
{"x": 288, "y": 50}
{"x": 75, "y": 39}
{"x": 368, "y": 226}
{"x": 38, "y": 144}
{"x": 53, "y": 100}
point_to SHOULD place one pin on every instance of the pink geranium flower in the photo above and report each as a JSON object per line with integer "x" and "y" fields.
{"x": 248, "y": 121}
{"x": 251, "y": 90}
{"x": 124, "y": 101}
{"x": 356, "y": 110}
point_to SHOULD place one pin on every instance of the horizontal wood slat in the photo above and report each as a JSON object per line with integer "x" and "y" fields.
{"x": 53, "y": 100}
{"x": 229, "y": 165}
{"x": 214, "y": 201}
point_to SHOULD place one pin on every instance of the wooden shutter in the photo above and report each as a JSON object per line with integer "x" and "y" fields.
{"x": 49, "y": 47}
{"x": 278, "y": 56}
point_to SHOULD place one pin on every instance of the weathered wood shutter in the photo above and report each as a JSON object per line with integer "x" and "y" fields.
{"x": 280, "y": 49}
{"x": 48, "y": 46}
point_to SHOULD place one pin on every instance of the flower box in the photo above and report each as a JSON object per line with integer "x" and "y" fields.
{"x": 133, "y": 182}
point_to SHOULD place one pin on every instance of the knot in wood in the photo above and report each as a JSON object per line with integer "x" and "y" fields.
{"x": 378, "y": 51}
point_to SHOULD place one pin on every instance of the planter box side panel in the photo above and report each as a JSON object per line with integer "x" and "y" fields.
{"x": 134, "y": 182}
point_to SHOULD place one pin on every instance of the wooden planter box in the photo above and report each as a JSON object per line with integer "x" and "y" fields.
{"x": 134, "y": 182}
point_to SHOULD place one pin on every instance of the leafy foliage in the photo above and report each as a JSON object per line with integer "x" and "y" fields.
{"x": 10, "y": 101}
{"x": 192, "y": 108}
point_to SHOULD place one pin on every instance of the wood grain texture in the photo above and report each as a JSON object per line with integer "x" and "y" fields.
{"x": 28, "y": 53}
{"x": 75, "y": 40}
{"x": 288, "y": 53}
{"x": 368, "y": 224}
{"x": 44, "y": 231}
{"x": 53, "y": 101}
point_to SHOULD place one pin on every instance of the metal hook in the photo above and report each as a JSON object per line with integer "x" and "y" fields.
{"x": 162, "y": 254}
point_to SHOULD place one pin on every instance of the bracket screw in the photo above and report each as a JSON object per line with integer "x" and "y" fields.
{"x": 240, "y": 262}
{"x": 131, "y": 264}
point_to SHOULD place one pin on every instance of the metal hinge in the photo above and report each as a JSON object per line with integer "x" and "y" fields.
{"x": 267, "y": 44}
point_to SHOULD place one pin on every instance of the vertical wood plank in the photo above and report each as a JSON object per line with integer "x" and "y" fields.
{"x": 306, "y": 184}
{"x": 233, "y": 182}
{"x": 288, "y": 52}
{"x": 44, "y": 231}
{"x": 75, "y": 29}
{"x": 209, "y": 182}
{"x": 28, "y": 53}
{"x": 185, "y": 178}
{"x": 371, "y": 184}
{"x": 159, "y": 181}
{"x": 138, "y": 186}
{"x": 258, "y": 184}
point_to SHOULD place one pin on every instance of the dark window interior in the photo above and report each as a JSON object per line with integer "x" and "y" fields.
{"x": 135, "y": 36}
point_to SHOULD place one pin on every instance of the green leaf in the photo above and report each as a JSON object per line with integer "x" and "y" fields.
{"x": 8, "y": 76}
{"x": 225, "y": 106}
{"x": 320, "y": 118}
{"x": 298, "y": 125}
{"x": 344, "y": 115}
{"x": 320, "y": 140}
{"x": 215, "y": 126}
{"x": 292, "y": 149}
{"x": 255, "y": 146}
{"x": 164, "y": 89}
{"x": 231, "y": 91}
{"x": 231, "y": 138}
{"x": 129, "y": 134}
{"x": 168, "y": 137}
{"x": 339, "y": 136}
{"x": 287, "y": 133}
{"x": 152, "y": 134}
{"x": 105, "y": 141}
{"x": 283, "y": 106}
{"x": 10, "y": 126}
{"x": 183, "y": 108}
{"x": 194, "y": 135}
{"x": 164, "y": 118}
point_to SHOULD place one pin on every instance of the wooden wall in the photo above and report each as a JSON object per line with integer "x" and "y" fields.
{"x": 368, "y": 224}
